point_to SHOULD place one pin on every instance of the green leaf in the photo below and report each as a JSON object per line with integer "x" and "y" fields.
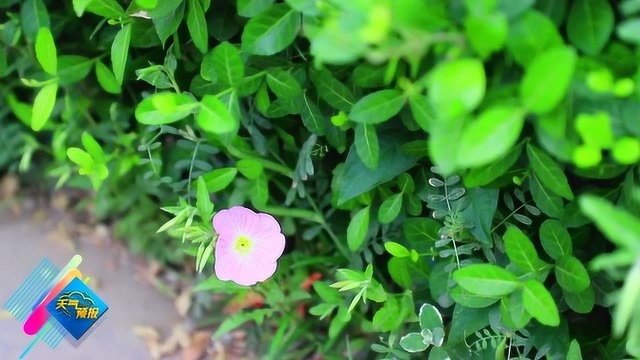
{"x": 457, "y": 87}
{"x": 421, "y": 233}
{"x": 555, "y": 239}
{"x": 627, "y": 302}
{"x": 590, "y": 24}
{"x": 399, "y": 272}
{"x": 333, "y": 91}
{"x": 312, "y": 117}
{"x": 214, "y": 116}
{"x": 520, "y": 250}
{"x": 581, "y": 302}
{"x": 530, "y": 35}
{"x": 250, "y": 168}
{"x": 109, "y": 9}
{"x": 73, "y": 68}
{"x": 203, "y": 200}
{"x": 467, "y": 299}
{"x": 396, "y": 249}
{"x": 33, "y": 17}
{"x": 219, "y": 179}
{"x": 271, "y": 31}
{"x": 167, "y": 17}
{"x": 283, "y": 84}
{"x": 513, "y": 311}
{"x": 43, "y": 106}
{"x": 390, "y": 209}
{"x": 120, "y": 52}
{"x": 107, "y": 79}
{"x": 147, "y": 4}
{"x": 574, "y": 351}
{"x": 225, "y": 62}
{"x": 366, "y": 143}
{"x": 571, "y": 274}
{"x": 547, "y": 79}
{"x": 387, "y": 319}
{"x": 250, "y": 8}
{"x": 486, "y": 280}
{"x": 327, "y": 293}
{"x": 490, "y": 137}
{"x": 629, "y": 30}
{"x": 480, "y": 212}
{"x": 422, "y": 111}
{"x": 549, "y": 172}
{"x": 164, "y": 108}
{"x": 197, "y": 25}
{"x": 617, "y": 225}
{"x": 430, "y": 317}
{"x": 377, "y": 107}
{"x": 487, "y": 33}
{"x": 213, "y": 283}
{"x": 231, "y": 323}
{"x": 358, "y": 178}
{"x": 93, "y": 148}
{"x": 539, "y": 303}
{"x": 357, "y": 229}
{"x": 413, "y": 342}
{"x": 548, "y": 202}
{"x": 80, "y": 157}
{"x": 46, "y": 51}
{"x": 486, "y": 174}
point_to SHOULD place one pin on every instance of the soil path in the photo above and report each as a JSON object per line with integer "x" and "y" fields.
{"x": 131, "y": 303}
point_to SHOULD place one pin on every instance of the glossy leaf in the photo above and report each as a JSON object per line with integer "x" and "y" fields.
{"x": 490, "y": 137}
{"x": 555, "y": 239}
{"x": 164, "y": 108}
{"x": 43, "y": 106}
{"x": 486, "y": 280}
{"x": 214, "y": 116}
{"x": 571, "y": 274}
{"x": 366, "y": 143}
{"x": 590, "y": 24}
{"x": 549, "y": 172}
{"x": 538, "y": 302}
{"x": 271, "y": 31}
{"x": 520, "y": 249}
{"x": 377, "y": 107}
{"x": 357, "y": 230}
{"x": 107, "y": 79}
{"x": 197, "y": 25}
{"x": 120, "y": 52}
{"x": 457, "y": 87}
{"x": 547, "y": 79}
{"x": 46, "y": 51}
{"x": 390, "y": 209}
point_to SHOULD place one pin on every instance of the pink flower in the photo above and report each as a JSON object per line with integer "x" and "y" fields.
{"x": 248, "y": 246}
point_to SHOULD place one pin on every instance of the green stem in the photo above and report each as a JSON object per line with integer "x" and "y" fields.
{"x": 193, "y": 159}
{"x": 266, "y": 163}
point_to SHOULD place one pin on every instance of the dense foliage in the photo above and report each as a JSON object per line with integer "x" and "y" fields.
{"x": 459, "y": 175}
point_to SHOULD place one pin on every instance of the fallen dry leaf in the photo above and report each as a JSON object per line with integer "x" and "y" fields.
{"x": 60, "y": 201}
{"x": 198, "y": 347}
{"x": 9, "y": 187}
{"x": 147, "y": 333}
{"x": 183, "y": 301}
{"x": 242, "y": 301}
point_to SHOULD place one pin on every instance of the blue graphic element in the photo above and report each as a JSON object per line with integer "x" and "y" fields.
{"x": 77, "y": 308}
{"x": 30, "y": 293}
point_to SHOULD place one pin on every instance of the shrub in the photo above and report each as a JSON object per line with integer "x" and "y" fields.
{"x": 438, "y": 167}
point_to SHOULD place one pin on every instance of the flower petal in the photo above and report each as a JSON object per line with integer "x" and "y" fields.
{"x": 270, "y": 248}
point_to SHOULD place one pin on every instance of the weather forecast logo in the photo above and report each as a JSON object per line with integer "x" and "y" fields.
{"x": 59, "y": 294}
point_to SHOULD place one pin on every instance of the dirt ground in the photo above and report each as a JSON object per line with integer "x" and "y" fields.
{"x": 135, "y": 308}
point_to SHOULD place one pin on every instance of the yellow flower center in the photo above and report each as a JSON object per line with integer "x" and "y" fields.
{"x": 243, "y": 245}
